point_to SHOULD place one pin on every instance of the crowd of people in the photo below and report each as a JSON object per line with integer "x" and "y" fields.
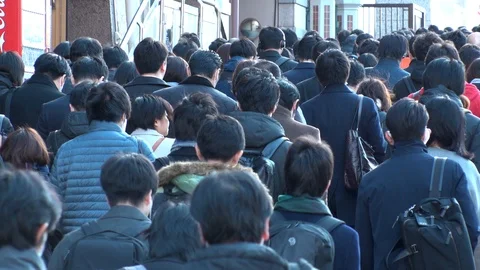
{"x": 236, "y": 157}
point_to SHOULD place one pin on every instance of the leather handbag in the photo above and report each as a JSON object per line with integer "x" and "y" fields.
{"x": 359, "y": 158}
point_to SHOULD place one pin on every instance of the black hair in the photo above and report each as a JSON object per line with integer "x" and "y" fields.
{"x": 406, "y": 120}
{"x": 357, "y": 73}
{"x": 26, "y": 203}
{"x": 108, "y": 102}
{"x": 368, "y": 60}
{"x": 457, "y": 37}
{"x": 128, "y": 178}
{"x": 473, "y": 71}
{"x": 393, "y": 46}
{"x": 313, "y": 33}
{"x": 177, "y": 69}
{"x": 192, "y": 37}
{"x": 476, "y": 28}
{"x": 11, "y": 64}
{"x": 269, "y": 66}
{"x": 149, "y": 56}
{"x": 421, "y": 30}
{"x": 290, "y": 37}
{"x": 271, "y": 38}
{"x": 447, "y": 72}
{"x": 410, "y": 45}
{"x": 216, "y": 44}
{"x": 244, "y": 48}
{"x": 63, "y": 49}
{"x": 376, "y": 90}
{"x": 333, "y": 40}
{"x": 126, "y": 73}
{"x": 447, "y": 122}
{"x": 468, "y": 53}
{"x": 188, "y": 117}
{"x": 441, "y": 50}
{"x": 308, "y": 167}
{"x": 348, "y": 45}
{"x": 204, "y": 63}
{"x": 52, "y": 65}
{"x": 342, "y": 35}
{"x": 114, "y": 56}
{"x": 89, "y": 68}
{"x": 147, "y": 109}
{"x": 448, "y": 29}
{"x": 241, "y": 66}
{"x": 423, "y": 42}
{"x": 183, "y": 47}
{"x": 357, "y": 32}
{"x": 362, "y": 37}
{"x": 224, "y": 52}
{"x": 231, "y": 207}
{"x": 323, "y": 46}
{"x": 305, "y": 47}
{"x": 288, "y": 93}
{"x": 369, "y": 46}
{"x": 333, "y": 67}
{"x": 220, "y": 138}
{"x": 85, "y": 46}
{"x": 173, "y": 233}
{"x": 78, "y": 96}
{"x": 433, "y": 28}
{"x": 256, "y": 90}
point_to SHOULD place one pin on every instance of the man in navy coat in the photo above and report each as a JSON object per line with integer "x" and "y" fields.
{"x": 334, "y": 112}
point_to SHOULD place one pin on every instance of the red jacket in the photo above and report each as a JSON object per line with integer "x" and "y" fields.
{"x": 472, "y": 93}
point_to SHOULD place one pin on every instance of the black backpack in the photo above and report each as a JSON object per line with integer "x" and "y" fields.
{"x": 434, "y": 234}
{"x": 106, "y": 249}
{"x": 8, "y": 93}
{"x": 261, "y": 163}
{"x": 295, "y": 240}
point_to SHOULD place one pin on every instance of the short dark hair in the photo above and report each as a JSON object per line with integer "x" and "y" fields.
{"x": 241, "y": 66}
{"x": 433, "y": 28}
{"x": 244, "y": 48}
{"x": 357, "y": 32}
{"x": 89, "y": 68}
{"x": 24, "y": 149}
{"x": 63, "y": 49}
{"x": 393, "y": 46}
{"x": 305, "y": 47}
{"x": 447, "y": 72}
{"x": 78, "y": 96}
{"x": 231, "y": 207}
{"x": 188, "y": 117}
{"x": 357, "y": 73}
{"x": 457, "y": 37}
{"x": 177, "y": 69}
{"x": 147, "y": 109}
{"x": 441, "y": 50}
{"x": 193, "y": 37}
{"x": 271, "y": 38}
{"x": 376, "y": 90}
{"x": 362, "y": 37}
{"x": 406, "y": 120}
{"x": 422, "y": 44}
{"x": 183, "y": 47}
{"x": 220, "y": 138}
{"x": 256, "y": 90}
{"x": 216, "y": 44}
{"x": 27, "y": 202}
{"x": 468, "y": 53}
{"x": 269, "y": 66}
{"x": 85, "y": 46}
{"x": 128, "y": 178}
{"x": 290, "y": 37}
{"x": 421, "y": 30}
{"x": 108, "y": 102}
{"x": 114, "y": 56}
{"x": 473, "y": 71}
{"x": 369, "y": 46}
{"x": 348, "y": 45}
{"x": 308, "y": 167}
{"x": 52, "y": 65}
{"x": 224, "y": 52}
{"x": 288, "y": 93}
{"x": 333, "y": 67}
{"x": 368, "y": 60}
{"x": 149, "y": 56}
{"x": 323, "y": 46}
{"x": 342, "y": 35}
{"x": 204, "y": 63}
{"x": 12, "y": 64}
{"x": 126, "y": 73}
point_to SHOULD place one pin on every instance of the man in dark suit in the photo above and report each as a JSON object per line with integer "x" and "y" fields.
{"x": 334, "y": 113}
{"x": 287, "y": 105}
{"x": 271, "y": 45}
{"x": 306, "y": 68}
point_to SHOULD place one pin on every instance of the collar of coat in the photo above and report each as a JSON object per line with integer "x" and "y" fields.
{"x": 197, "y": 80}
{"x": 302, "y": 204}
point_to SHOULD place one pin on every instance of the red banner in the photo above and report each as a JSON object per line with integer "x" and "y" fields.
{"x": 11, "y": 25}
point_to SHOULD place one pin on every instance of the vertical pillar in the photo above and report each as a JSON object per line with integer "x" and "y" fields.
{"x": 235, "y": 18}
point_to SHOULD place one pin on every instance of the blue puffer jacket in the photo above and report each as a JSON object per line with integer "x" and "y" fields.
{"x": 76, "y": 171}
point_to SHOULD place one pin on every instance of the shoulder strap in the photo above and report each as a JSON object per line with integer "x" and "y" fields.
{"x": 2, "y": 117}
{"x": 359, "y": 112}
{"x": 157, "y": 144}
{"x": 8, "y": 101}
{"x": 329, "y": 223}
{"x": 272, "y": 147}
{"x": 282, "y": 60}
{"x": 436, "y": 179}
{"x": 410, "y": 86}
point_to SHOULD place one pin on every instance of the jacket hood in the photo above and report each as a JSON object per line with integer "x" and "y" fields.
{"x": 232, "y": 63}
{"x": 416, "y": 69}
{"x": 12, "y": 258}
{"x": 471, "y": 92}
{"x": 5, "y": 81}
{"x": 431, "y": 93}
{"x": 260, "y": 129}
{"x": 75, "y": 125}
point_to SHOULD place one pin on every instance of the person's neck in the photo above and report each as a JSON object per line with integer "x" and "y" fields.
{"x": 216, "y": 161}
{"x": 205, "y": 77}
{"x": 157, "y": 75}
{"x": 140, "y": 208}
{"x": 274, "y": 50}
{"x": 306, "y": 61}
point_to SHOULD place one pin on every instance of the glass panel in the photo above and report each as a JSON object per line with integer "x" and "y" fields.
{"x": 210, "y": 24}
{"x": 37, "y": 6}
{"x": 33, "y": 30}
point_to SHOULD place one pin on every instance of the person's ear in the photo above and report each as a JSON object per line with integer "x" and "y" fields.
{"x": 199, "y": 154}
{"x": 41, "y": 237}
{"x": 202, "y": 238}
{"x": 295, "y": 105}
{"x": 388, "y": 137}
{"x": 426, "y": 135}
{"x": 236, "y": 157}
{"x": 274, "y": 110}
{"x": 72, "y": 109}
{"x": 73, "y": 81}
{"x": 163, "y": 67}
{"x": 239, "y": 107}
{"x": 266, "y": 231}
{"x": 148, "y": 198}
{"x": 102, "y": 79}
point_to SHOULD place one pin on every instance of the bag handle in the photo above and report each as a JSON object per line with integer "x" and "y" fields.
{"x": 272, "y": 147}
{"x": 157, "y": 144}
{"x": 436, "y": 179}
{"x": 358, "y": 115}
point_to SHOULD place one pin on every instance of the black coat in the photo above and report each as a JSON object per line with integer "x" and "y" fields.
{"x": 416, "y": 70}
{"x": 164, "y": 263}
{"x": 52, "y": 115}
{"x": 388, "y": 70}
{"x": 224, "y": 84}
{"x": 333, "y": 112}
{"x": 142, "y": 85}
{"x": 309, "y": 88}
{"x": 181, "y": 154}
{"x": 74, "y": 125}
{"x": 301, "y": 72}
{"x": 273, "y": 56}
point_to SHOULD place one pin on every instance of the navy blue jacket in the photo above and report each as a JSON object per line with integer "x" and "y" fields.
{"x": 395, "y": 186}
{"x": 52, "y": 115}
{"x": 389, "y": 70}
{"x": 333, "y": 112}
{"x": 301, "y": 72}
{"x": 224, "y": 84}
{"x": 309, "y": 88}
{"x": 273, "y": 57}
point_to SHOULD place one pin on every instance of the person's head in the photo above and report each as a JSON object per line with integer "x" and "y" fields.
{"x": 369, "y": 46}
{"x": 433, "y": 28}
{"x": 289, "y": 95}
{"x": 368, "y": 60}
{"x": 30, "y": 210}
{"x": 25, "y": 149}
{"x": 78, "y": 96}
{"x": 423, "y": 42}
{"x": 241, "y": 66}
{"x": 323, "y": 46}
{"x": 53, "y": 66}
{"x": 393, "y": 46}
{"x": 357, "y": 73}
{"x": 108, "y": 102}
{"x": 271, "y": 38}
{"x": 421, "y": 30}
{"x": 348, "y": 45}
{"x": 11, "y": 64}
{"x": 183, "y": 47}
{"x": 468, "y": 53}
{"x": 308, "y": 168}
{"x": 224, "y": 52}
{"x": 305, "y": 48}
{"x": 173, "y": 233}
{"x": 257, "y": 91}
{"x": 357, "y": 32}
{"x": 447, "y": 123}
{"x": 362, "y": 37}
{"x": 441, "y": 50}
{"x": 407, "y": 121}
{"x": 448, "y": 29}
{"x": 376, "y": 90}
{"x": 333, "y": 67}
{"x": 447, "y": 72}
{"x": 151, "y": 112}
{"x": 474, "y": 71}
{"x": 150, "y": 58}
{"x": 63, "y": 49}
{"x": 126, "y": 72}
{"x": 85, "y": 46}
{"x": 206, "y": 64}
{"x": 290, "y": 37}
{"x": 457, "y": 37}
{"x": 191, "y": 37}
{"x": 189, "y": 116}
{"x": 343, "y": 35}
{"x": 220, "y": 139}
{"x": 89, "y": 68}
{"x": 129, "y": 179}
{"x": 244, "y": 48}
{"x": 114, "y": 56}
{"x": 216, "y": 44}
{"x": 474, "y": 38}
{"x": 177, "y": 69}
{"x": 269, "y": 66}
{"x": 232, "y": 207}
